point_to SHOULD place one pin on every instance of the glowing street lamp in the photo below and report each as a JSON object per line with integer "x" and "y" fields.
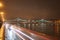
{"x": 2, "y": 16}
{"x": 1, "y": 13}
{"x": 1, "y": 5}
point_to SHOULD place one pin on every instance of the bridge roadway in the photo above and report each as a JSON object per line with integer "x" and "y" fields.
{"x": 13, "y": 32}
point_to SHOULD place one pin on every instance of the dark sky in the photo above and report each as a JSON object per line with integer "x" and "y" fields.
{"x": 47, "y": 9}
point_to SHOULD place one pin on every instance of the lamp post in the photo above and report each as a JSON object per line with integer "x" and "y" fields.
{"x": 2, "y": 16}
{"x": 1, "y": 5}
{"x": 1, "y": 12}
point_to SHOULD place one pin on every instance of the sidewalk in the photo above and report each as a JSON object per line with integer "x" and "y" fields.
{"x": 1, "y": 33}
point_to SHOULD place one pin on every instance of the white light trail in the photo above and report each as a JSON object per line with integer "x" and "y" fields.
{"x": 24, "y": 34}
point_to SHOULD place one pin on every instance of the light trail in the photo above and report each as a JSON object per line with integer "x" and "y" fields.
{"x": 20, "y": 36}
{"x": 11, "y": 27}
{"x": 24, "y": 34}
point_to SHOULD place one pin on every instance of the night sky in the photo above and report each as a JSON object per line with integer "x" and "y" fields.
{"x": 32, "y": 9}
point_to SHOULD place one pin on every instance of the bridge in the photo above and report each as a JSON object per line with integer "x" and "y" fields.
{"x": 11, "y": 31}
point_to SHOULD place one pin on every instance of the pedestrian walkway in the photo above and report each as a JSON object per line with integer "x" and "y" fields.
{"x": 2, "y": 33}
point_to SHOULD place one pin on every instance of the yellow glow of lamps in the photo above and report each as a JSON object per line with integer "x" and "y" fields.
{"x": 2, "y": 16}
{"x": 1, "y": 5}
{"x": 1, "y": 13}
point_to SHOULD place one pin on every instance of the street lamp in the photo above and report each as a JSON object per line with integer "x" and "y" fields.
{"x": 2, "y": 16}
{"x": 2, "y": 13}
{"x": 1, "y": 4}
